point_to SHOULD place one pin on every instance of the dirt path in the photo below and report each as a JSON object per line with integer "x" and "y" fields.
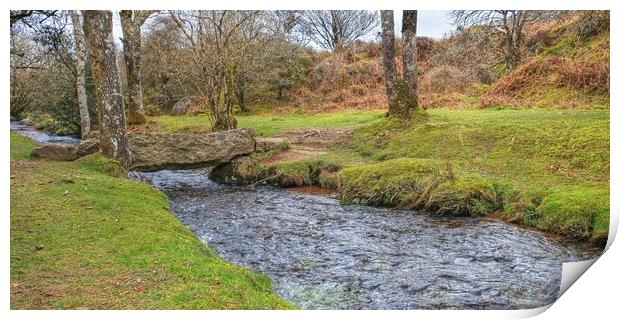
{"x": 307, "y": 143}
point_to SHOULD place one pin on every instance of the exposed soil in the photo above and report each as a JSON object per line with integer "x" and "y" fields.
{"x": 291, "y": 155}
{"x": 307, "y": 143}
{"x": 316, "y": 137}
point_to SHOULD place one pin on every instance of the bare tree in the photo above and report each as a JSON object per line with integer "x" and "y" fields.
{"x": 389, "y": 63}
{"x": 219, "y": 42}
{"x": 80, "y": 72}
{"x": 286, "y": 24}
{"x": 23, "y": 15}
{"x": 335, "y": 29}
{"x": 100, "y": 43}
{"x": 131, "y": 22}
{"x": 508, "y": 24}
{"x": 410, "y": 59}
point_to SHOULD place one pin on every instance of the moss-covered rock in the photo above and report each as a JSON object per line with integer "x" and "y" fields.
{"x": 241, "y": 170}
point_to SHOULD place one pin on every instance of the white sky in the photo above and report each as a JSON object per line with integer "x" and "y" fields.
{"x": 434, "y": 24}
{"x": 431, "y": 23}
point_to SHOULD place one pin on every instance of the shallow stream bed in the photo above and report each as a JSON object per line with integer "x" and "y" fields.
{"x": 40, "y": 136}
{"x": 322, "y": 255}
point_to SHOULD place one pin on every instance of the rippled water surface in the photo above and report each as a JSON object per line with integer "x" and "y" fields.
{"x": 322, "y": 255}
{"x": 40, "y": 136}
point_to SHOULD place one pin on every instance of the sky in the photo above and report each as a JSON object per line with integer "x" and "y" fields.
{"x": 431, "y": 23}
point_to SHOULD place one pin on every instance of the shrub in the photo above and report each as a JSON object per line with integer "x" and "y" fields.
{"x": 445, "y": 78}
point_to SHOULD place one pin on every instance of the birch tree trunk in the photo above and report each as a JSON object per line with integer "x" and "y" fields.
{"x": 131, "y": 22}
{"x": 389, "y": 64}
{"x": 100, "y": 42}
{"x": 410, "y": 59}
{"x": 80, "y": 70}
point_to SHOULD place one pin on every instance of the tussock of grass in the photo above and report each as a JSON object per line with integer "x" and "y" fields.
{"x": 398, "y": 182}
{"x": 466, "y": 195}
{"x": 577, "y": 211}
{"x": 107, "y": 242}
{"x": 320, "y": 170}
{"x": 422, "y": 184}
{"x": 21, "y": 147}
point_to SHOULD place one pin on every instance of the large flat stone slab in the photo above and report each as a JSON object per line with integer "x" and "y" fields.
{"x": 66, "y": 151}
{"x": 155, "y": 151}
{"x": 56, "y": 151}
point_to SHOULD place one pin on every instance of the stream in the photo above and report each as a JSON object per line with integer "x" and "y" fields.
{"x": 40, "y": 136}
{"x": 322, "y": 255}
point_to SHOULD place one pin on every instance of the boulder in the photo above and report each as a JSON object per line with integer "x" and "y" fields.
{"x": 56, "y": 151}
{"x": 239, "y": 171}
{"x": 266, "y": 144}
{"x": 154, "y": 151}
{"x": 87, "y": 147}
{"x": 181, "y": 106}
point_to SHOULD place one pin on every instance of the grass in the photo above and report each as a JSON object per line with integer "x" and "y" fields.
{"x": 269, "y": 125}
{"x": 545, "y": 168}
{"x": 423, "y": 184}
{"x": 84, "y": 236}
{"x": 320, "y": 170}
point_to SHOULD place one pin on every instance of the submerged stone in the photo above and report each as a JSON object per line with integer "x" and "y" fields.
{"x": 241, "y": 170}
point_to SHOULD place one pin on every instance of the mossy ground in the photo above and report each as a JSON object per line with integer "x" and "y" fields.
{"x": 539, "y": 167}
{"x": 544, "y": 168}
{"x": 84, "y": 236}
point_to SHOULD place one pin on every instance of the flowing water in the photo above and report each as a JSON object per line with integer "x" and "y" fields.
{"x": 322, "y": 255}
{"x": 39, "y": 136}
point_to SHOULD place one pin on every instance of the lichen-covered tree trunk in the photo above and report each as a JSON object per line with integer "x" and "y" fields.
{"x": 389, "y": 64}
{"x": 100, "y": 42}
{"x": 410, "y": 57}
{"x": 80, "y": 72}
{"x": 241, "y": 93}
{"x": 130, "y": 23}
{"x": 224, "y": 98}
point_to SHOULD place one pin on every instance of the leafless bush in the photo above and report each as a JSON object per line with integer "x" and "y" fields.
{"x": 446, "y": 78}
{"x": 592, "y": 23}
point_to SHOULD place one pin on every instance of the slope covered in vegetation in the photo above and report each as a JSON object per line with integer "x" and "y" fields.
{"x": 82, "y": 236}
{"x": 570, "y": 68}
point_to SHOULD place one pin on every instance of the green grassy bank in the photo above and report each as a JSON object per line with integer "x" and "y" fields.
{"x": 83, "y": 236}
{"x": 539, "y": 167}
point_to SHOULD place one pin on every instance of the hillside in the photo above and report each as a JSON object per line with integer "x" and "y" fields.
{"x": 565, "y": 65}
{"x": 571, "y": 69}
